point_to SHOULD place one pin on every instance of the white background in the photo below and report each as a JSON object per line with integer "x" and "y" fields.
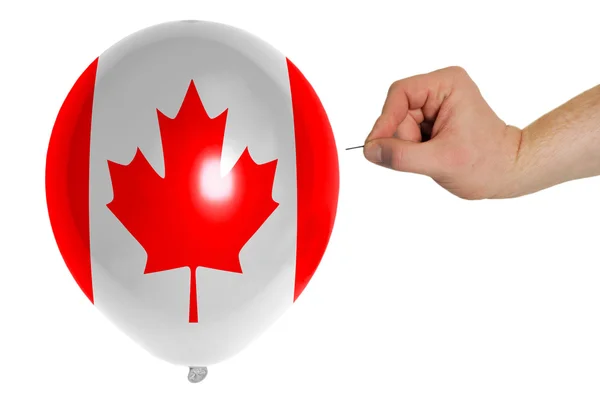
{"x": 420, "y": 295}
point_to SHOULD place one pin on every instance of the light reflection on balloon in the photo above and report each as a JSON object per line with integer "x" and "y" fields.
{"x": 214, "y": 186}
{"x": 215, "y": 190}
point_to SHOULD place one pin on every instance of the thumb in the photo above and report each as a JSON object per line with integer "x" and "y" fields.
{"x": 402, "y": 155}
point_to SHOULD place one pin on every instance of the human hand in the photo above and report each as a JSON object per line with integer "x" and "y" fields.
{"x": 439, "y": 125}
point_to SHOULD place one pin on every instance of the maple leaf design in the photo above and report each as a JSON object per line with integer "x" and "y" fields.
{"x": 193, "y": 217}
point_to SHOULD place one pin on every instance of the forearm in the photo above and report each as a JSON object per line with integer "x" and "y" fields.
{"x": 561, "y": 146}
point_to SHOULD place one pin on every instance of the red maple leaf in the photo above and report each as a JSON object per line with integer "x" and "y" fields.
{"x": 192, "y": 217}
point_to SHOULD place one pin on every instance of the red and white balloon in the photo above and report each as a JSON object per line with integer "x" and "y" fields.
{"x": 192, "y": 185}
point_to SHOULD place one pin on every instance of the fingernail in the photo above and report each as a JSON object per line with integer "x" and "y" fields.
{"x": 373, "y": 153}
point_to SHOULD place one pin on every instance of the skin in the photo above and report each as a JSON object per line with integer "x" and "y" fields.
{"x": 439, "y": 125}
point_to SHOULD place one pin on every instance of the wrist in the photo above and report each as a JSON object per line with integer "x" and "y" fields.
{"x": 538, "y": 163}
{"x": 513, "y": 179}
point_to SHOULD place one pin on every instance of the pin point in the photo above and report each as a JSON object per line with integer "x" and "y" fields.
{"x": 355, "y": 147}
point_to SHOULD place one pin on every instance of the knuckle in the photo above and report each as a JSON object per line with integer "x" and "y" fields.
{"x": 397, "y": 159}
{"x": 398, "y": 86}
{"x": 457, "y": 71}
{"x": 394, "y": 86}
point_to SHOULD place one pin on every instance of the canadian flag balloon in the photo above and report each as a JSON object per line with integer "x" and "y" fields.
{"x": 192, "y": 185}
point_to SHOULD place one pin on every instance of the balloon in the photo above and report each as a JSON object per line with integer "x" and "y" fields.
{"x": 192, "y": 185}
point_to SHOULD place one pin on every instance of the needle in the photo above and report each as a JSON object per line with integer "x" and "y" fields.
{"x": 355, "y": 147}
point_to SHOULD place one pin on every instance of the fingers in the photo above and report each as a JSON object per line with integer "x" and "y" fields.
{"x": 405, "y": 156}
{"x": 420, "y": 95}
{"x": 409, "y": 129}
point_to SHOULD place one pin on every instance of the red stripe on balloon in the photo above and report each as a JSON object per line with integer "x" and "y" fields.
{"x": 67, "y": 179}
{"x": 317, "y": 172}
